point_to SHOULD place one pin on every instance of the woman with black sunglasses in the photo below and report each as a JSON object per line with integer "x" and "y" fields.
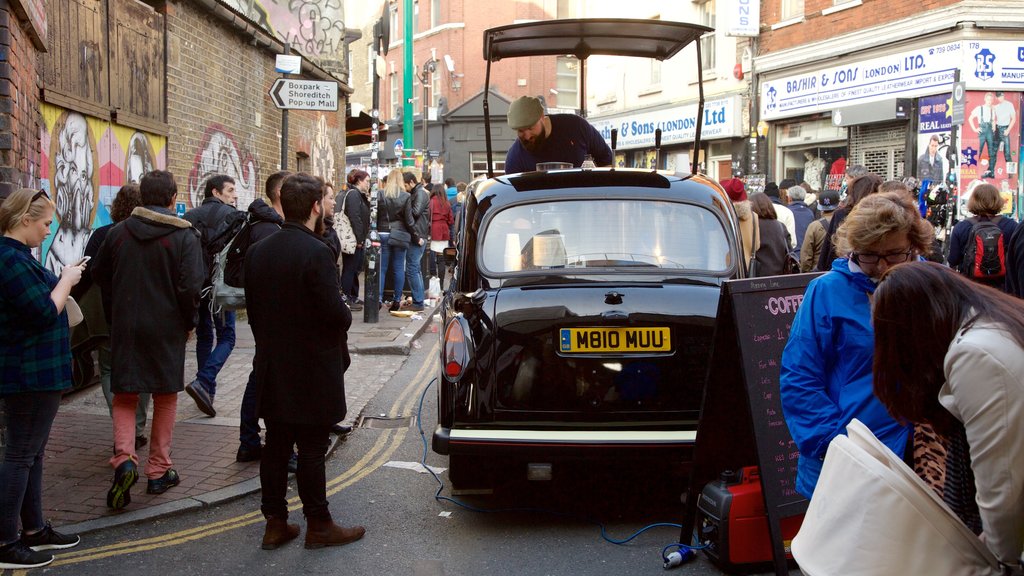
{"x": 826, "y": 378}
{"x": 35, "y": 367}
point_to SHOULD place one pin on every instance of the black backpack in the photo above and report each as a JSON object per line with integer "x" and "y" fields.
{"x": 234, "y": 257}
{"x": 985, "y": 252}
{"x": 216, "y": 231}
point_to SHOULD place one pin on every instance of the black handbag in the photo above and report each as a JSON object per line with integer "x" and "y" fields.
{"x": 398, "y": 237}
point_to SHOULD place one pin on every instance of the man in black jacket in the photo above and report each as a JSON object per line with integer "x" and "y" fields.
{"x": 419, "y": 205}
{"x": 266, "y": 221}
{"x": 214, "y": 220}
{"x": 150, "y": 270}
{"x": 300, "y": 323}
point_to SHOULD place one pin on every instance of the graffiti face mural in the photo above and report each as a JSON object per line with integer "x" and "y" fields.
{"x": 84, "y": 162}
{"x": 139, "y": 160}
{"x": 220, "y": 154}
{"x": 321, "y": 151}
{"x": 73, "y": 190}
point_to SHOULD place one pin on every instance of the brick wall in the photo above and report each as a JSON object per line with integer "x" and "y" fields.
{"x": 19, "y": 105}
{"x": 221, "y": 117}
{"x": 817, "y": 27}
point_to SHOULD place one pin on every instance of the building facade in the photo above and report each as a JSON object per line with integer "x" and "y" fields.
{"x": 448, "y": 44}
{"x": 867, "y": 82}
{"x": 98, "y": 92}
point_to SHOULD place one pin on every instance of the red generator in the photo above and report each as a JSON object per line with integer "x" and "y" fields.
{"x": 734, "y": 526}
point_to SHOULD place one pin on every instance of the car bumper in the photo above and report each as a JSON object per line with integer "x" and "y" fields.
{"x": 568, "y": 442}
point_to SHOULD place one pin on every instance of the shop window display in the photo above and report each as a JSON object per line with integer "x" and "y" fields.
{"x": 813, "y": 165}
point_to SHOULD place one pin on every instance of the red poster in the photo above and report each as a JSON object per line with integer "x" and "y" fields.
{"x": 989, "y": 144}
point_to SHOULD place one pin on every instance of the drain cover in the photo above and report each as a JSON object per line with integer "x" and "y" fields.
{"x": 379, "y": 423}
{"x": 382, "y": 333}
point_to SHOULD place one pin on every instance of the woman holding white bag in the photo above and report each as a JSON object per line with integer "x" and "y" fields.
{"x": 950, "y": 352}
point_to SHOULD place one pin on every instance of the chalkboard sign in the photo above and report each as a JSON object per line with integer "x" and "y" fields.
{"x": 741, "y": 415}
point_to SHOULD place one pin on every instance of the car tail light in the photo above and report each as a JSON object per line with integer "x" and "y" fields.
{"x": 456, "y": 352}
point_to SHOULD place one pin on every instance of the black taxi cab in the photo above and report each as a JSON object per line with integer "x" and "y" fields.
{"x": 579, "y": 322}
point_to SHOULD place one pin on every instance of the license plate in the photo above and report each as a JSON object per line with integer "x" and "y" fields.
{"x": 586, "y": 340}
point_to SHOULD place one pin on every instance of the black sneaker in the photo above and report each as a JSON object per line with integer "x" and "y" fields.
{"x": 49, "y": 539}
{"x": 16, "y": 556}
{"x": 169, "y": 480}
{"x": 249, "y": 453}
{"x": 202, "y": 397}
{"x": 141, "y": 441}
{"x": 119, "y": 495}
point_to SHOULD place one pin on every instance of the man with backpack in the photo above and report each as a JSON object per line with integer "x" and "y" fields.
{"x": 217, "y": 221}
{"x": 977, "y": 245}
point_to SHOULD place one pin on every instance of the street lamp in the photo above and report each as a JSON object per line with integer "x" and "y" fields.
{"x": 429, "y": 67}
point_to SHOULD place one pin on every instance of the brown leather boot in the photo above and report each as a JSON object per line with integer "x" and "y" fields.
{"x": 279, "y": 532}
{"x": 322, "y": 532}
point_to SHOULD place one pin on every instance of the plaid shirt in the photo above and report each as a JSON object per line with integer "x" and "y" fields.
{"x": 35, "y": 351}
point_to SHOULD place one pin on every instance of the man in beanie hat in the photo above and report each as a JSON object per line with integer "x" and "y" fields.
{"x": 814, "y": 238}
{"x": 554, "y": 138}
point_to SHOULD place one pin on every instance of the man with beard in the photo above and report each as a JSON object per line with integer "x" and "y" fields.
{"x": 300, "y": 323}
{"x": 554, "y": 138}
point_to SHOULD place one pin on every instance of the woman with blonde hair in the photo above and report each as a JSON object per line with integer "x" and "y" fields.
{"x": 393, "y": 214}
{"x": 35, "y": 367}
{"x": 825, "y": 379}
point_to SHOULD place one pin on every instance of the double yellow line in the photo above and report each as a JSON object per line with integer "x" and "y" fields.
{"x": 379, "y": 453}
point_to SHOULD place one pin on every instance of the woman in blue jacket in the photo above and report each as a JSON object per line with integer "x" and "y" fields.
{"x": 826, "y": 376}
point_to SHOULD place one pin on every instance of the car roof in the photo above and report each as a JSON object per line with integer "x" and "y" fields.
{"x": 598, "y": 183}
{"x": 658, "y": 39}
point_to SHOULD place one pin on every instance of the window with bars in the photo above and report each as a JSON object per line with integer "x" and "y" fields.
{"x": 478, "y": 165}
{"x": 435, "y": 88}
{"x": 396, "y": 95}
{"x": 791, "y": 9}
{"x": 707, "y": 41}
{"x": 567, "y": 70}
{"x": 435, "y": 13}
{"x": 880, "y": 148}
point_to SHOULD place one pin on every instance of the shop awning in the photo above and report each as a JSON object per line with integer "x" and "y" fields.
{"x": 357, "y": 130}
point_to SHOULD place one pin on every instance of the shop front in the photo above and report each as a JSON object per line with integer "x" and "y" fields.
{"x": 722, "y": 136}
{"x": 892, "y": 112}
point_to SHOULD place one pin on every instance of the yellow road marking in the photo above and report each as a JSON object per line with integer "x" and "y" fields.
{"x": 381, "y": 451}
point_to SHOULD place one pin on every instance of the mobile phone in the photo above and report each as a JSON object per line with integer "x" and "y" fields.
{"x": 83, "y": 260}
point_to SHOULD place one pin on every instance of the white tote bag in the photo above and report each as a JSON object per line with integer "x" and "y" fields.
{"x": 872, "y": 516}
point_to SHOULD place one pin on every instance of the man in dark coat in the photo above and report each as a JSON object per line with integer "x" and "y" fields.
{"x": 300, "y": 323}
{"x": 150, "y": 270}
{"x": 266, "y": 220}
{"x": 215, "y": 220}
{"x": 419, "y": 206}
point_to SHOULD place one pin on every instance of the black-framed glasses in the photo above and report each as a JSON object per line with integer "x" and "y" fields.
{"x": 38, "y": 195}
{"x": 891, "y": 258}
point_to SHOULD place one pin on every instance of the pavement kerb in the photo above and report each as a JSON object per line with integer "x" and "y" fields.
{"x": 414, "y": 329}
{"x": 167, "y": 509}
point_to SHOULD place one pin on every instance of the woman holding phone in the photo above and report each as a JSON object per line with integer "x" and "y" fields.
{"x": 35, "y": 367}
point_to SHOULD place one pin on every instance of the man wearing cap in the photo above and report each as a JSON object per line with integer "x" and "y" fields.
{"x": 554, "y": 138}
{"x": 814, "y": 237}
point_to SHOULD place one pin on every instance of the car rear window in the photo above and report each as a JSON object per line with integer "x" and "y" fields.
{"x": 603, "y": 234}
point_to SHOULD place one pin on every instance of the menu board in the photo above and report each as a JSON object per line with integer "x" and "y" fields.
{"x": 754, "y": 319}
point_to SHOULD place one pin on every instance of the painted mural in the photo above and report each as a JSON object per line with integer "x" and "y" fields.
{"x": 315, "y": 28}
{"x": 321, "y": 151}
{"x": 84, "y": 162}
{"x": 220, "y": 153}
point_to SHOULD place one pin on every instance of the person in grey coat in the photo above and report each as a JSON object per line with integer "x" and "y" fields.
{"x": 150, "y": 270}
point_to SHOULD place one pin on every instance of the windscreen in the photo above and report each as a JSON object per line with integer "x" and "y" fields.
{"x": 605, "y": 233}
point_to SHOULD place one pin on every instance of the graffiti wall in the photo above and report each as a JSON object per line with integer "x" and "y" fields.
{"x": 220, "y": 153}
{"x": 84, "y": 162}
{"x": 313, "y": 27}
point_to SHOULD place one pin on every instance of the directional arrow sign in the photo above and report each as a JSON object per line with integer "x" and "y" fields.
{"x": 291, "y": 94}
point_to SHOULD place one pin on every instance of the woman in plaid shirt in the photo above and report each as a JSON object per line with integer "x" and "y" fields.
{"x": 35, "y": 366}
